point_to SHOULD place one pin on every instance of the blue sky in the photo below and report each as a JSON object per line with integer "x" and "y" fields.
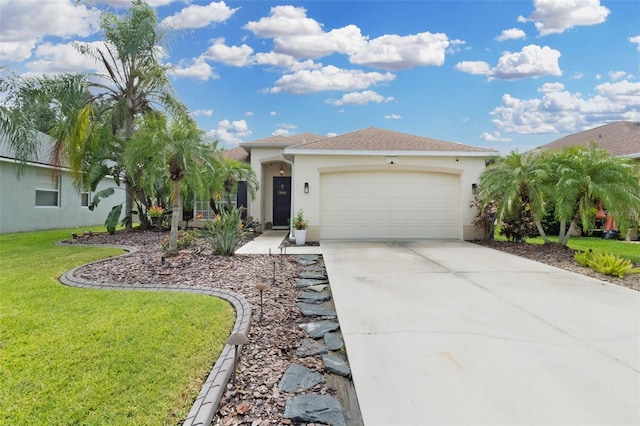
{"x": 499, "y": 74}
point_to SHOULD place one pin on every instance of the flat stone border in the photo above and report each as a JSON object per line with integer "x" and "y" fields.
{"x": 208, "y": 401}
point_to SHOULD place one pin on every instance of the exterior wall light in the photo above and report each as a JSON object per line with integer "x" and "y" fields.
{"x": 306, "y": 187}
{"x": 281, "y": 171}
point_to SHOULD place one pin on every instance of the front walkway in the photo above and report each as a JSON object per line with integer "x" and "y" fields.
{"x": 451, "y": 333}
{"x": 270, "y": 241}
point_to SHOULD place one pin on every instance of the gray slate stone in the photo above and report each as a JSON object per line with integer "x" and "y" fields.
{"x": 318, "y": 329}
{"x": 298, "y": 378}
{"x": 333, "y": 342}
{"x": 309, "y": 347}
{"x": 305, "y": 282}
{"x": 307, "y": 259}
{"x": 317, "y": 288}
{"x": 336, "y": 365}
{"x": 315, "y": 409}
{"x": 312, "y": 297}
{"x": 311, "y": 310}
{"x": 312, "y": 275}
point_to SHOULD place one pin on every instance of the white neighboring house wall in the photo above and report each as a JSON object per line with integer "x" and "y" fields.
{"x": 44, "y": 197}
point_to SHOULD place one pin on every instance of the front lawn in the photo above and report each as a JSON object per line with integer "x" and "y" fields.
{"x": 77, "y": 356}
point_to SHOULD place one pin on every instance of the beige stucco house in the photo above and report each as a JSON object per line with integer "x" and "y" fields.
{"x": 368, "y": 184}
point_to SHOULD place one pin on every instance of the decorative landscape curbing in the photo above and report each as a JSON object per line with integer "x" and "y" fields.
{"x": 207, "y": 402}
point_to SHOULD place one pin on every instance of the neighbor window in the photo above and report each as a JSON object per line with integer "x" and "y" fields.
{"x": 85, "y": 196}
{"x": 47, "y": 190}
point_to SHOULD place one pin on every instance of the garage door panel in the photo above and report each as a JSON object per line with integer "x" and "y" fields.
{"x": 388, "y": 205}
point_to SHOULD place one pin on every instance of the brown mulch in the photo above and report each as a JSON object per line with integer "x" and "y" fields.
{"x": 257, "y": 399}
{"x": 560, "y": 257}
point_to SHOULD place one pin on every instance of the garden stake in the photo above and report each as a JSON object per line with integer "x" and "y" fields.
{"x": 236, "y": 339}
{"x": 274, "y": 272}
{"x": 261, "y": 288}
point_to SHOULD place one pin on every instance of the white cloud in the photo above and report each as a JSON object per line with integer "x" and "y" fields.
{"x": 531, "y": 61}
{"x": 273, "y": 113}
{"x": 60, "y": 58}
{"x": 511, "y": 34}
{"x": 394, "y": 52}
{"x": 237, "y": 56}
{"x": 249, "y": 113}
{"x": 281, "y": 132}
{"x": 494, "y": 137}
{"x": 287, "y": 126}
{"x": 299, "y": 36}
{"x": 618, "y": 75}
{"x": 127, "y": 3}
{"x": 393, "y": 117}
{"x": 25, "y": 23}
{"x": 560, "y": 111}
{"x": 327, "y": 78}
{"x": 196, "y": 16}
{"x": 282, "y": 60}
{"x": 202, "y": 112}
{"x": 474, "y": 67}
{"x": 284, "y": 21}
{"x": 556, "y": 16}
{"x": 199, "y": 69}
{"x": 230, "y": 133}
{"x": 635, "y": 40}
{"x": 360, "y": 98}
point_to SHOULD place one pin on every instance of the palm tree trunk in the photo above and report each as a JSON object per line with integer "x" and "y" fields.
{"x": 538, "y": 223}
{"x": 175, "y": 218}
{"x": 128, "y": 201}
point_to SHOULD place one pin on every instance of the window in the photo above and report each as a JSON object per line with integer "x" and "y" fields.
{"x": 85, "y": 198}
{"x": 203, "y": 209}
{"x": 47, "y": 190}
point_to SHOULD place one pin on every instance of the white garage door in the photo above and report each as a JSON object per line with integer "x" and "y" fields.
{"x": 389, "y": 205}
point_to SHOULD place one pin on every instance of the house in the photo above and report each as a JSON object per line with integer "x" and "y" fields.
{"x": 367, "y": 184}
{"x": 621, "y": 138}
{"x": 43, "y": 196}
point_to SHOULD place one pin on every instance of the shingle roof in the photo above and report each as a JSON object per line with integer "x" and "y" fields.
{"x": 238, "y": 154}
{"x": 374, "y": 139}
{"x": 621, "y": 138}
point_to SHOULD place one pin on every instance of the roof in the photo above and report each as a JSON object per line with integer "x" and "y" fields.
{"x": 621, "y": 138}
{"x": 42, "y": 154}
{"x": 237, "y": 154}
{"x": 280, "y": 141}
{"x": 374, "y": 139}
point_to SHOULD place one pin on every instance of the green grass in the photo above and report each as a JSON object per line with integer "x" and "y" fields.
{"x": 77, "y": 356}
{"x": 619, "y": 248}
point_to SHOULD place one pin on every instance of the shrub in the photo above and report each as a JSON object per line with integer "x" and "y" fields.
{"x": 606, "y": 263}
{"x": 185, "y": 240}
{"x": 223, "y": 232}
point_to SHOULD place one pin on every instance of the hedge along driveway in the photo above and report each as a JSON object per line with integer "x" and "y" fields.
{"x": 71, "y": 355}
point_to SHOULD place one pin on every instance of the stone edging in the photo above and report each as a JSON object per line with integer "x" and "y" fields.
{"x": 208, "y": 401}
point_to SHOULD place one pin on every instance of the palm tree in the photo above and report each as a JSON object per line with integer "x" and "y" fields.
{"x": 518, "y": 181}
{"x": 173, "y": 152}
{"x": 589, "y": 174}
{"x": 134, "y": 83}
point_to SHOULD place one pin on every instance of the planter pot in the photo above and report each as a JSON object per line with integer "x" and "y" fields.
{"x": 300, "y": 235}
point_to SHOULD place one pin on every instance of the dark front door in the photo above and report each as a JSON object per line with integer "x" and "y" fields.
{"x": 281, "y": 200}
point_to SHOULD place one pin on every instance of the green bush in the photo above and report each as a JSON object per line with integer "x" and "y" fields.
{"x": 223, "y": 232}
{"x": 185, "y": 240}
{"x": 606, "y": 263}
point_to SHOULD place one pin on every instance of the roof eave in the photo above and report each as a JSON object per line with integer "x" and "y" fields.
{"x": 396, "y": 153}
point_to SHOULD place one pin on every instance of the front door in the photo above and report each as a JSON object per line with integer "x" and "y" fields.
{"x": 281, "y": 200}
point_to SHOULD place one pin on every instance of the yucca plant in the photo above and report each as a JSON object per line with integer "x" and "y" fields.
{"x": 223, "y": 232}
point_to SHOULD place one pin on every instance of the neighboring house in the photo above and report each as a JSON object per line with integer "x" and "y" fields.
{"x": 621, "y": 138}
{"x": 43, "y": 196}
{"x": 368, "y": 184}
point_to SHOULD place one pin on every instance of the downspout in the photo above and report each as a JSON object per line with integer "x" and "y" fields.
{"x": 292, "y": 189}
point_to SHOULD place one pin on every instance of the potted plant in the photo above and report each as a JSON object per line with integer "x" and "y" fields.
{"x": 300, "y": 228}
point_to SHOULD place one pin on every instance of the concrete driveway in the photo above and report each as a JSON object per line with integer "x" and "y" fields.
{"x": 443, "y": 333}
